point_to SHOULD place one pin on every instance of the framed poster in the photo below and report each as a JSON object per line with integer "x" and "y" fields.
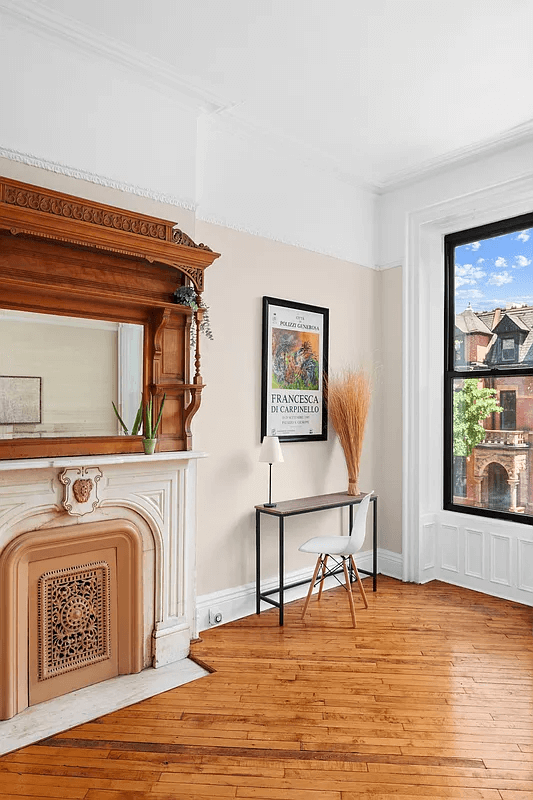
{"x": 294, "y": 365}
{"x": 20, "y": 400}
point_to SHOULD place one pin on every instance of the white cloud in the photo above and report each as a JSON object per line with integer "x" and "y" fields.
{"x": 521, "y": 261}
{"x": 500, "y": 262}
{"x": 470, "y": 294}
{"x": 475, "y": 245}
{"x": 523, "y": 236}
{"x": 463, "y": 281}
{"x": 499, "y": 278}
{"x": 480, "y": 260}
{"x": 468, "y": 274}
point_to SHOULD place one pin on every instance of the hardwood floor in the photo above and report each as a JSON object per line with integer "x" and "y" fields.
{"x": 431, "y": 696}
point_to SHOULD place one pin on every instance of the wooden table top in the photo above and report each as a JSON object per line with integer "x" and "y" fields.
{"x": 319, "y": 502}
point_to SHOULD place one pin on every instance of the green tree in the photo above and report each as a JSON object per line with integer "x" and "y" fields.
{"x": 471, "y": 405}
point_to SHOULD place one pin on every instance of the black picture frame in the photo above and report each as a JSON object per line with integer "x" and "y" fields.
{"x": 294, "y": 369}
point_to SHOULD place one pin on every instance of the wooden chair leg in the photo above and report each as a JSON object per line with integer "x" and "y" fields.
{"x": 349, "y": 590}
{"x": 323, "y": 576}
{"x": 359, "y": 583}
{"x": 312, "y": 586}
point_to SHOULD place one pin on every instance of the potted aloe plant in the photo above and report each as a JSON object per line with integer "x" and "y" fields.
{"x": 149, "y": 429}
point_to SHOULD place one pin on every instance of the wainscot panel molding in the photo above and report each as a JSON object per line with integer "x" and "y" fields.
{"x": 481, "y": 552}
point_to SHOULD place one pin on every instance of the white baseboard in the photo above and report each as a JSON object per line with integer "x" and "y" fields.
{"x": 390, "y": 564}
{"x": 239, "y": 601}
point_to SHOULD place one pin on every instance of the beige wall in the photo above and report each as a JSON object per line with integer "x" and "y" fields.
{"x": 231, "y": 481}
{"x": 389, "y": 473}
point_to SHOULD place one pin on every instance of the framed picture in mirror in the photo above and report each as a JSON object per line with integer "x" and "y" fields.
{"x": 20, "y": 400}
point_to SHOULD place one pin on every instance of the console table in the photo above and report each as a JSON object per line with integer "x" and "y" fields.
{"x": 306, "y": 505}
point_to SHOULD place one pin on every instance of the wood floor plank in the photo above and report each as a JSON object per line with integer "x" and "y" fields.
{"x": 430, "y": 697}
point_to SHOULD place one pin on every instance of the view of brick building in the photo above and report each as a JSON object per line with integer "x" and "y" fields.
{"x": 499, "y": 472}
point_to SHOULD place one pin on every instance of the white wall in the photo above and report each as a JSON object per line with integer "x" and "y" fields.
{"x": 81, "y": 108}
{"x": 461, "y": 181}
{"x": 244, "y": 182}
{"x": 63, "y": 105}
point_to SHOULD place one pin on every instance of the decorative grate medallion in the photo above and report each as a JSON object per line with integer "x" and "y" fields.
{"x": 73, "y": 618}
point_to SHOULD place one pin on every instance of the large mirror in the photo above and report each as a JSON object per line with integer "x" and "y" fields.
{"x": 59, "y": 376}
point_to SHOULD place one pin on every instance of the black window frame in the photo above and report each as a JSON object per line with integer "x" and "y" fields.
{"x": 451, "y": 373}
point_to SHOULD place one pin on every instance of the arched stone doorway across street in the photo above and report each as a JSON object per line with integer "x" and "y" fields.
{"x": 498, "y": 491}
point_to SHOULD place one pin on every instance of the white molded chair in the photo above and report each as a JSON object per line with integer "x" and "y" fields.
{"x": 343, "y": 547}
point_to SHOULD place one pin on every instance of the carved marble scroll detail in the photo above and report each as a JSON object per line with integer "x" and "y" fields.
{"x": 81, "y": 490}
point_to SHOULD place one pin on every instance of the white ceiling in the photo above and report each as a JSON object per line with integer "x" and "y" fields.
{"x": 380, "y": 88}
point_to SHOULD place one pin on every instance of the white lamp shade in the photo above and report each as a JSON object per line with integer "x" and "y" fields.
{"x": 271, "y": 450}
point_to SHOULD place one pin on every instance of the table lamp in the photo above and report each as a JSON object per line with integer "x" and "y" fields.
{"x": 271, "y": 454}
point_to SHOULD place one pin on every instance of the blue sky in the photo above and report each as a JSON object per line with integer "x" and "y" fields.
{"x": 493, "y": 272}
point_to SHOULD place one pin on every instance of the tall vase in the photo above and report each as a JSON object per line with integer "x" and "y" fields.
{"x": 353, "y": 488}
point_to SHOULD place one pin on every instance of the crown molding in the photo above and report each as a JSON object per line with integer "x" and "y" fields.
{"x": 157, "y": 74}
{"x": 469, "y": 154}
{"x": 84, "y": 175}
{"x": 46, "y": 22}
{"x": 79, "y": 174}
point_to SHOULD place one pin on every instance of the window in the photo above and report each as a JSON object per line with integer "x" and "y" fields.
{"x": 508, "y": 348}
{"x": 508, "y": 414}
{"x": 459, "y": 476}
{"x": 488, "y": 407}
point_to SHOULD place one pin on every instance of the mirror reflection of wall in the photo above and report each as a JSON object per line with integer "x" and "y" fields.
{"x": 84, "y": 366}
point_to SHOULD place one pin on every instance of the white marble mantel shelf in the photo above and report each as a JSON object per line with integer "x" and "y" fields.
{"x": 96, "y": 461}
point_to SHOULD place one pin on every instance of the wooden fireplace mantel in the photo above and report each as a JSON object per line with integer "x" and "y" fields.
{"x": 65, "y": 255}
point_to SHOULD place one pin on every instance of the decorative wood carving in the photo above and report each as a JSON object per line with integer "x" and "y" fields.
{"x": 74, "y": 618}
{"x": 181, "y": 238}
{"x": 35, "y": 211}
{"x": 63, "y": 255}
{"x": 86, "y": 212}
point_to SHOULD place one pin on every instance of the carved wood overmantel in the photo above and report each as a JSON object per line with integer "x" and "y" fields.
{"x": 65, "y": 255}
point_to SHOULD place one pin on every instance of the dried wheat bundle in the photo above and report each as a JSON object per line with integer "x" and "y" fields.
{"x": 349, "y": 394}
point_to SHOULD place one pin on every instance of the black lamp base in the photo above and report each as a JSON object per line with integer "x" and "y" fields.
{"x": 269, "y": 505}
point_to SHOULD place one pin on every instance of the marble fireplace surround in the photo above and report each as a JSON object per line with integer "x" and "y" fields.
{"x": 155, "y": 494}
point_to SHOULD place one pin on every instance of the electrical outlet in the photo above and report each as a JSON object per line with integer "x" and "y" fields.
{"x": 215, "y": 616}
